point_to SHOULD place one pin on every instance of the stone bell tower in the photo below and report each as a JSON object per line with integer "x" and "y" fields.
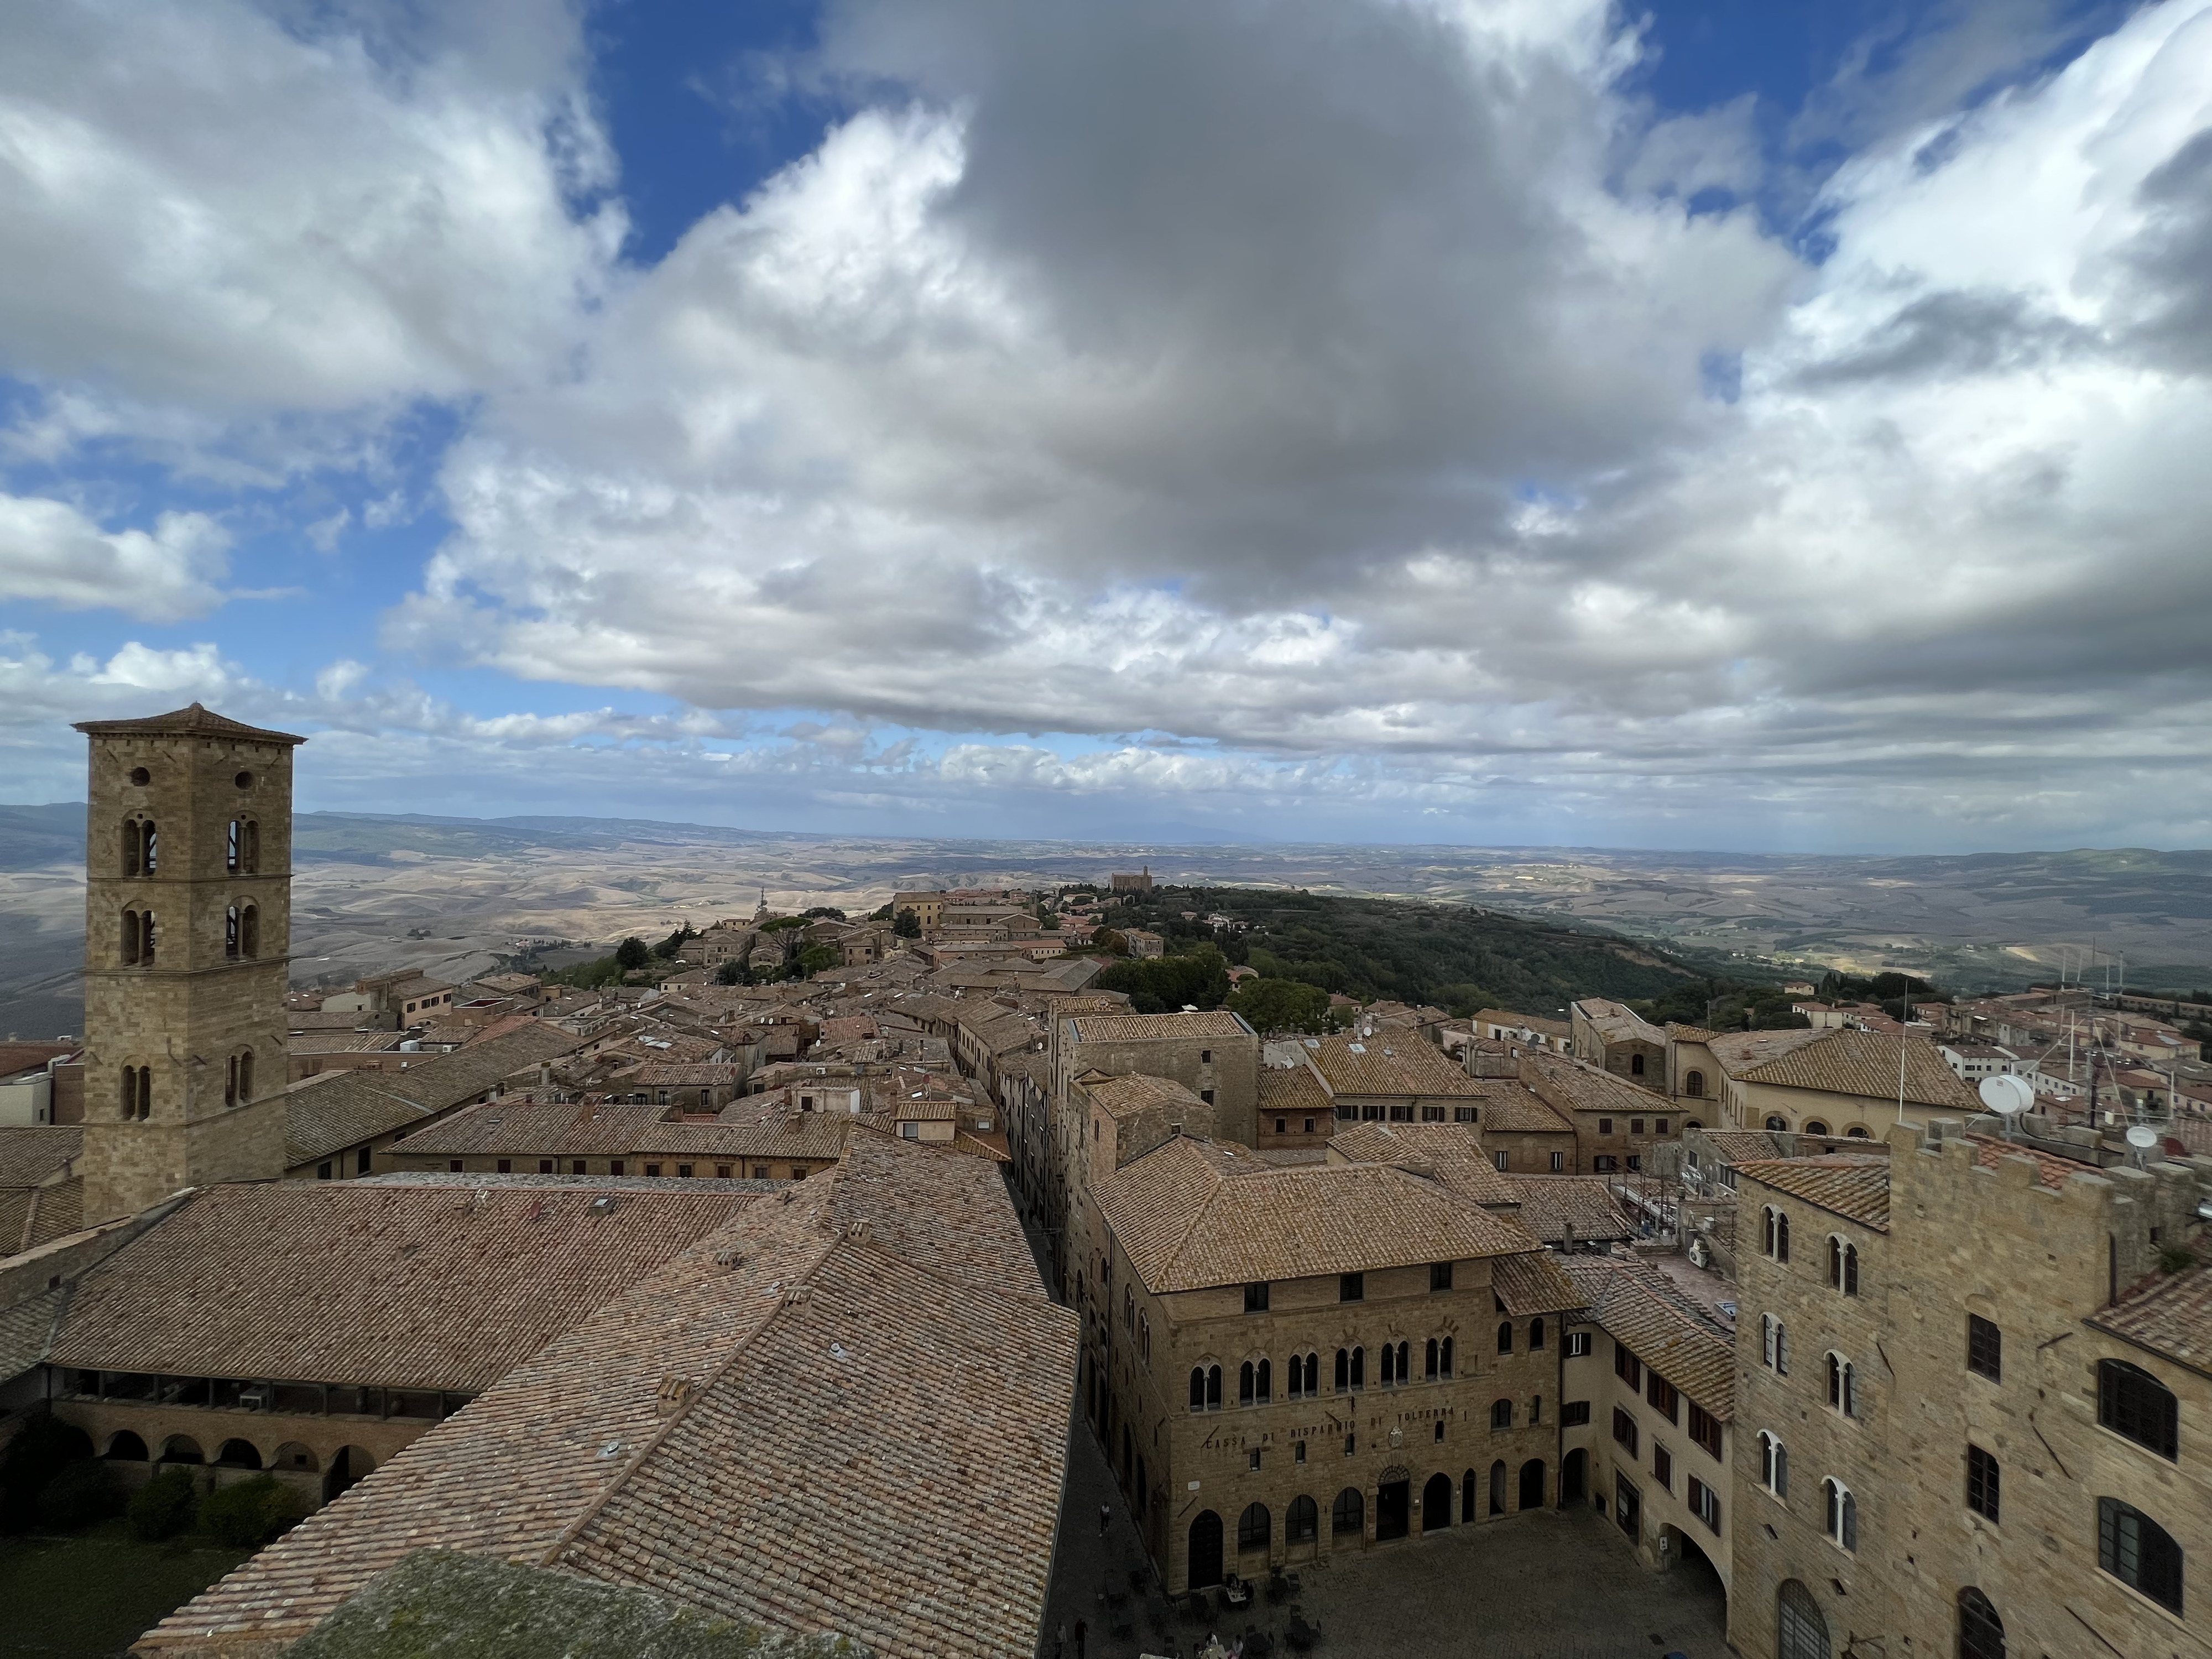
{"x": 188, "y": 930}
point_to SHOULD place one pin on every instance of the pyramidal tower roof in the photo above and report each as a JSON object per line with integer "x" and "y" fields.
{"x": 193, "y": 720}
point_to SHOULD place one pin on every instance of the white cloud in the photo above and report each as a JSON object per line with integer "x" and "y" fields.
{"x": 211, "y": 220}
{"x": 1294, "y": 405}
{"x": 50, "y": 552}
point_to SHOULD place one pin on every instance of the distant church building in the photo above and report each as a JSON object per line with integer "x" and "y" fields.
{"x": 188, "y": 930}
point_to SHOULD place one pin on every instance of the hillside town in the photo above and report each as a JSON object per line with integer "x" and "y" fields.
{"x": 792, "y": 1271}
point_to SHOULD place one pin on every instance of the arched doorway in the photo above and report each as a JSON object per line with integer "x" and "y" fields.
{"x": 350, "y": 1466}
{"x": 1532, "y": 1483}
{"x": 1435, "y": 1502}
{"x": 1348, "y": 1515}
{"x": 1497, "y": 1487}
{"x": 182, "y": 1449}
{"x": 1205, "y": 1550}
{"x": 1394, "y": 1506}
{"x": 239, "y": 1455}
{"x": 1574, "y": 1478}
{"x": 1799, "y": 1632}
{"x": 1470, "y": 1498}
{"x": 126, "y": 1448}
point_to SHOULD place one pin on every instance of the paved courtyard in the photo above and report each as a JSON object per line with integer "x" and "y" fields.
{"x": 1549, "y": 1586}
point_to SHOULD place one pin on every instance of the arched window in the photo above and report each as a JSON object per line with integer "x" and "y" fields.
{"x": 1398, "y": 1362}
{"x": 1343, "y": 1369}
{"x": 2138, "y": 1552}
{"x": 1535, "y": 1335}
{"x": 1776, "y": 1340}
{"x": 232, "y": 849}
{"x": 1244, "y": 1394}
{"x": 1814, "y": 1127}
{"x": 1501, "y": 1414}
{"x": 127, "y": 947}
{"x": 2133, "y": 1402}
{"x": 134, "y": 847}
{"x": 1842, "y": 1394}
{"x": 1198, "y": 1388}
{"x": 1429, "y": 1360}
{"x": 1348, "y": 1513}
{"x": 1505, "y": 1337}
{"x": 1766, "y": 1229}
{"x": 1205, "y": 1387}
{"x": 1858, "y": 1132}
{"x": 1843, "y": 1265}
{"x": 249, "y": 931}
{"x": 1467, "y": 1491}
{"x": 1693, "y": 1084}
{"x": 230, "y": 1083}
{"x": 1447, "y": 1357}
{"x": 1775, "y": 1121}
{"x": 1981, "y": 1633}
{"x": 146, "y": 939}
{"x": 138, "y": 1100}
{"x": 1843, "y": 1513}
{"x": 1359, "y": 1368}
{"x": 1301, "y": 1521}
{"x": 245, "y": 1074}
{"x": 149, "y": 860}
{"x": 1800, "y": 1630}
{"x": 1256, "y": 1527}
{"x": 230, "y": 933}
{"x": 1781, "y": 1237}
{"x": 1773, "y": 1465}
{"x": 1267, "y": 1370}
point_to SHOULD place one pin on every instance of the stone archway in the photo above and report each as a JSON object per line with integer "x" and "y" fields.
{"x": 349, "y": 1465}
{"x": 1205, "y": 1550}
{"x": 1574, "y": 1478}
{"x": 238, "y": 1455}
{"x": 124, "y": 1447}
{"x": 181, "y": 1449}
{"x": 1437, "y": 1503}
{"x": 1532, "y": 1485}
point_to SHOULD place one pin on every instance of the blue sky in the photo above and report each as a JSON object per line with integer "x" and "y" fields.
{"x": 1734, "y": 426}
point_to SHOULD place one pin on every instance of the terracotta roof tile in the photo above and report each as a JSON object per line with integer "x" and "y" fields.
{"x": 813, "y": 1418}
{"x": 32, "y": 1153}
{"x": 1531, "y": 1283}
{"x": 1637, "y": 1305}
{"x": 1195, "y": 1213}
{"x": 193, "y": 721}
{"x": 1856, "y": 1188}
{"x": 2169, "y": 1314}
{"x": 1292, "y": 1090}
{"x": 1553, "y": 1207}
{"x": 383, "y": 1286}
{"x": 2050, "y": 1170}
{"x": 1389, "y": 1063}
{"x": 1575, "y": 1085}
{"x": 1449, "y": 1153}
{"x": 327, "y": 1114}
{"x": 1146, "y": 1028}
{"x": 1862, "y": 1063}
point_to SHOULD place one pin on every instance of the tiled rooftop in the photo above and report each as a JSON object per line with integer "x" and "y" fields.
{"x": 1638, "y": 1306}
{"x": 1148, "y": 1028}
{"x": 2053, "y": 1171}
{"x": 1557, "y": 1208}
{"x": 1449, "y": 1153}
{"x": 1856, "y": 1188}
{"x": 1195, "y": 1213}
{"x": 1846, "y": 1063}
{"x": 434, "y": 1287}
{"x": 2169, "y": 1314}
{"x": 1292, "y": 1090}
{"x": 813, "y": 1419}
{"x": 1575, "y": 1085}
{"x": 329, "y": 1114}
{"x": 32, "y": 1153}
{"x": 1121, "y": 1097}
{"x": 1393, "y": 1063}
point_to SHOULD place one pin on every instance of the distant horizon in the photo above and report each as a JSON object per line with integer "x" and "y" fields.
{"x": 1120, "y": 842}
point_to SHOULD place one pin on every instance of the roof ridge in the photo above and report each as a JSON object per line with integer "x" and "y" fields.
{"x": 653, "y": 1443}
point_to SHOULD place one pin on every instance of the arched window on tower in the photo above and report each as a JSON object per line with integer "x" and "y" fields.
{"x": 230, "y": 933}
{"x": 127, "y": 946}
{"x": 233, "y": 847}
{"x": 146, "y": 931}
{"x": 134, "y": 847}
{"x": 1693, "y": 1084}
{"x": 250, "y": 849}
{"x": 151, "y": 855}
{"x": 249, "y": 931}
{"x": 230, "y": 1083}
{"x": 1981, "y": 1633}
{"x": 245, "y": 1074}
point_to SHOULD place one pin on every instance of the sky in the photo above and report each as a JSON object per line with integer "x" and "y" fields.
{"x": 1743, "y": 426}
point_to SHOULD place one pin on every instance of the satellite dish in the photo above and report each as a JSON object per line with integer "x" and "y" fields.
{"x": 2142, "y": 1137}
{"x": 2008, "y": 1093}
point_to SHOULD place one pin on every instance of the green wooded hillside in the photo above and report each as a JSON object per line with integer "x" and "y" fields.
{"x": 1456, "y": 957}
